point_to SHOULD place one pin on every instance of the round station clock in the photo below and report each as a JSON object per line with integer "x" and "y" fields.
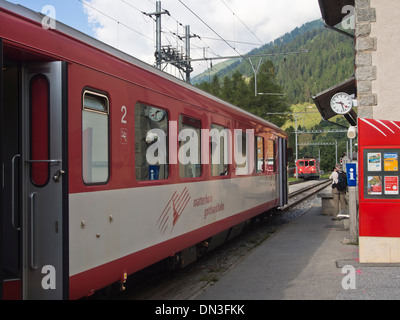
{"x": 341, "y": 103}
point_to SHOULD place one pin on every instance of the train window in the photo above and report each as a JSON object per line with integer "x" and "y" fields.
{"x": 301, "y": 163}
{"x": 189, "y": 147}
{"x": 219, "y": 144}
{"x": 151, "y": 147}
{"x": 271, "y": 155}
{"x": 241, "y": 154}
{"x": 312, "y": 163}
{"x": 95, "y": 138}
{"x": 259, "y": 158}
{"x": 39, "y": 108}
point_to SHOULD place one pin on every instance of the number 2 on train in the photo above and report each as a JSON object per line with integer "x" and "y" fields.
{"x": 124, "y": 112}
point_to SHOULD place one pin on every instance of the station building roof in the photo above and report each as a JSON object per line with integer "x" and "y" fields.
{"x": 331, "y": 10}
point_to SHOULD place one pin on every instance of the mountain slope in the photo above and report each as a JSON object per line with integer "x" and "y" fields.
{"x": 330, "y": 60}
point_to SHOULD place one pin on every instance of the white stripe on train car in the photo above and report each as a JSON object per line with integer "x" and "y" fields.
{"x": 107, "y": 225}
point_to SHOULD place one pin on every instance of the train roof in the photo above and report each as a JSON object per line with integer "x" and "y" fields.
{"x": 88, "y": 40}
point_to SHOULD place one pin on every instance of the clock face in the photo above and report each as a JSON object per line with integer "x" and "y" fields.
{"x": 341, "y": 103}
{"x": 156, "y": 114}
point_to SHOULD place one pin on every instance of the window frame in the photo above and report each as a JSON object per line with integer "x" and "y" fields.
{"x": 247, "y": 146}
{"x": 180, "y": 165}
{"x": 168, "y": 164}
{"x": 102, "y": 95}
{"x": 38, "y": 168}
{"x": 271, "y": 142}
{"x": 262, "y": 155}
{"x": 228, "y": 145}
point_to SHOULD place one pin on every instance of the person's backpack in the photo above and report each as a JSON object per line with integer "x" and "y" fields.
{"x": 342, "y": 181}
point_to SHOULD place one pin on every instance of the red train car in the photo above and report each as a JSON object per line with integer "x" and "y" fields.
{"x": 308, "y": 168}
{"x": 94, "y": 185}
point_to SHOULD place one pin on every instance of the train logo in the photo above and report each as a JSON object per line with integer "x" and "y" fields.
{"x": 173, "y": 211}
{"x": 124, "y": 136}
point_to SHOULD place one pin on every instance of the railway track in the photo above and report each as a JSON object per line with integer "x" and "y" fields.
{"x": 308, "y": 191}
{"x": 185, "y": 284}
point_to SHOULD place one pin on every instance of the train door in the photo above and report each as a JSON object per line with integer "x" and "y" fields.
{"x": 34, "y": 184}
{"x": 1, "y": 173}
{"x": 282, "y": 171}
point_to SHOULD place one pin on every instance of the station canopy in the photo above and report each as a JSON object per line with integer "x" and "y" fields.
{"x": 331, "y": 10}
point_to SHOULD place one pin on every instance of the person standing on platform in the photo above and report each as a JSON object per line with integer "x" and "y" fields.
{"x": 339, "y": 187}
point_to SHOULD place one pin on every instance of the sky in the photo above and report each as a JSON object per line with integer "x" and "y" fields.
{"x": 223, "y": 27}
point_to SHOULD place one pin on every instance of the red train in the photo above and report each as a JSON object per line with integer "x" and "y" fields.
{"x": 308, "y": 168}
{"x": 94, "y": 145}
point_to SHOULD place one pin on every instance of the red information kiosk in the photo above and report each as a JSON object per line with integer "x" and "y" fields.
{"x": 379, "y": 197}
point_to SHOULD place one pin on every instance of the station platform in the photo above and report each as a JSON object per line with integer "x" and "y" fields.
{"x": 308, "y": 259}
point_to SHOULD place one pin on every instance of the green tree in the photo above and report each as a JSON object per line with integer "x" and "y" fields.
{"x": 240, "y": 91}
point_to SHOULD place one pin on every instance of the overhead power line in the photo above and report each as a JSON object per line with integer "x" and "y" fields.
{"x": 261, "y": 42}
{"x": 317, "y": 144}
{"x": 208, "y": 26}
{"x": 321, "y": 131}
{"x": 131, "y": 5}
{"x": 245, "y": 56}
{"x": 119, "y": 22}
{"x": 232, "y": 41}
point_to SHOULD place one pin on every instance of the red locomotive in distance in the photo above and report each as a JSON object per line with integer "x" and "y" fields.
{"x": 308, "y": 168}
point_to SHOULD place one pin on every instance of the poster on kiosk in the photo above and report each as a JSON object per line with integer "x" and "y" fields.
{"x": 379, "y": 197}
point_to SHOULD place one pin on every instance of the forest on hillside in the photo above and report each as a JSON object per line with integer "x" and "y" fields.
{"x": 240, "y": 92}
{"x": 329, "y": 60}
